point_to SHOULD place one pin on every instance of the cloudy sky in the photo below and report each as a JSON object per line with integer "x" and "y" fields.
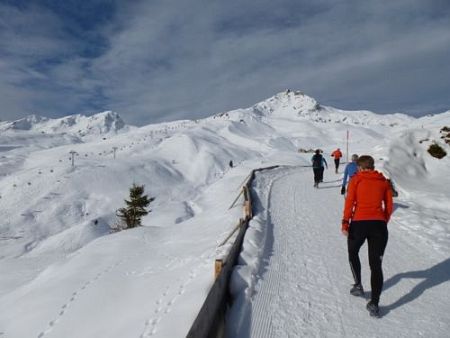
{"x": 161, "y": 60}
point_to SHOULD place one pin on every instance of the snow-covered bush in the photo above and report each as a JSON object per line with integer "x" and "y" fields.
{"x": 437, "y": 151}
{"x": 445, "y": 131}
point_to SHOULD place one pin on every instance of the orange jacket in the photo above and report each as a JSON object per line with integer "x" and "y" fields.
{"x": 336, "y": 154}
{"x": 369, "y": 197}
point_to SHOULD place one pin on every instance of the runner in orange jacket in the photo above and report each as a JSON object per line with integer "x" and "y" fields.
{"x": 368, "y": 208}
{"x": 337, "y": 154}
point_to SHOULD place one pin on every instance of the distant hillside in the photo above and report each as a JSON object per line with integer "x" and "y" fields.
{"x": 83, "y": 126}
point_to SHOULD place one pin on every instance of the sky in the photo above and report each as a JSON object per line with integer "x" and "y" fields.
{"x": 164, "y": 60}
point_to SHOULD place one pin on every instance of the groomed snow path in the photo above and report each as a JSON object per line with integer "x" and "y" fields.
{"x": 304, "y": 289}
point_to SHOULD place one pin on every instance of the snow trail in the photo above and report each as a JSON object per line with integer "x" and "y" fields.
{"x": 304, "y": 290}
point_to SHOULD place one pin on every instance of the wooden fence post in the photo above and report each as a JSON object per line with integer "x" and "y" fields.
{"x": 247, "y": 204}
{"x": 218, "y": 265}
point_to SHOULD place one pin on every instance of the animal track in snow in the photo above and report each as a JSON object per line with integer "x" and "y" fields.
{"x": 75, "y": 294}
{"x": 164, "y": 305}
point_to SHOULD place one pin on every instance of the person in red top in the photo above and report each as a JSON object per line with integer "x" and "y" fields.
{"x": 368, "y": 208}
{"x": 337, "y": 154}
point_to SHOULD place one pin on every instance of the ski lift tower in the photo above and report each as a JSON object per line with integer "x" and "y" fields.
{"x": 72, "y": 156}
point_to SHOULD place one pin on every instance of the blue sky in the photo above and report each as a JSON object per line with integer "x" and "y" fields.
{"x": 161, "y": 60}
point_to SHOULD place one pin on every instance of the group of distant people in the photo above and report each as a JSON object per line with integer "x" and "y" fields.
{"x": 319, "y": 164}
{"x": 367, "y": 210}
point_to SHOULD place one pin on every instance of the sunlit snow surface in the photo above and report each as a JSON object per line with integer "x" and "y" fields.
{"x": 63, "y": 274}
{"x": 293, "y": 278}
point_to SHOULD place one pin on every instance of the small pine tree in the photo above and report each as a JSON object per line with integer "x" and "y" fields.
{"x": 136, "y": 207}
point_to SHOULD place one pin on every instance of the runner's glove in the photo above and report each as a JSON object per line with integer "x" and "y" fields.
{"x": 343, "y": 190}
{"x": 345, "y": 225}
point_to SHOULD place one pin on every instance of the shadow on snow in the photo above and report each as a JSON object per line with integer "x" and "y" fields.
{"x": 437, "y": 274}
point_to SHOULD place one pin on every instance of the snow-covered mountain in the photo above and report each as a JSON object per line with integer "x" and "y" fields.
{"x": 297, "y": 105}
{"x": 107, "y": 122}
{"x": 56, "y": 218}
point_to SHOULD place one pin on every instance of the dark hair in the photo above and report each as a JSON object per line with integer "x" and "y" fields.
{"x": 366, "y": 162}
{"x": 317, "y": 151}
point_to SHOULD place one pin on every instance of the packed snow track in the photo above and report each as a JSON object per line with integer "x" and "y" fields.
{"x": 301, "y": 288}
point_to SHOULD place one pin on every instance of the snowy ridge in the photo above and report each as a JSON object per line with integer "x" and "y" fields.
{"x": 282, "y": 104}
{"x": 298, "y": 106}
{"x": 79, "y": 125}
{"x": 25, "y": 123}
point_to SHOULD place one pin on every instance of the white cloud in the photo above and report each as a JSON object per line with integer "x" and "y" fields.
{"x": 170, "y": 59}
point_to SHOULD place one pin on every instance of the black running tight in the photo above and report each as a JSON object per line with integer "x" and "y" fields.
{"x": 318, "y": 174}
{"x": 376, "y": 234}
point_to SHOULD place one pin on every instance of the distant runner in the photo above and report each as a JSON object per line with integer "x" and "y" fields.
{"x": 350, "y": 170}
{"x": 337, "y": 154}
{"x": 318, "y": 163}
{"x": 368, "y": 208}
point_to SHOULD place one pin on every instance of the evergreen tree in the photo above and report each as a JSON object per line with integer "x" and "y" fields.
{"x": 136, "y": 207}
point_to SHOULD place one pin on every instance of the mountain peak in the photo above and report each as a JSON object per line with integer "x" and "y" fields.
{"x": 287, "y": 104}
{"x": 106, "y": 121}
{"x": 81, "y": 125}
{"x": 27, "y": 122}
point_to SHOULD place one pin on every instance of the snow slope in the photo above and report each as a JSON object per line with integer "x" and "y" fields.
{"x": 60, "y": 265}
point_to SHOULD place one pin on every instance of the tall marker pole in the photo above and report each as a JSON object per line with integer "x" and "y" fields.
{"x": 347, "y": 144}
